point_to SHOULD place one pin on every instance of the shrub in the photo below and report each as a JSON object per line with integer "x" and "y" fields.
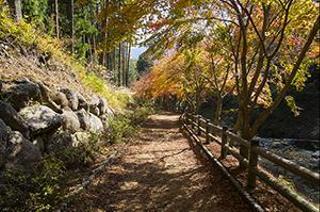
{"x": 120, "y": 127}
{"x": 82, "y": 155}
{"x": 139, "y": 115}
{"x": 39, "y": 189}
{"x": 43, "y": 187}
{"x": 125, "y": 125}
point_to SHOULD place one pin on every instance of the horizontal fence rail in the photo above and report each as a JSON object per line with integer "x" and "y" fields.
{"x": 228, "y": 141}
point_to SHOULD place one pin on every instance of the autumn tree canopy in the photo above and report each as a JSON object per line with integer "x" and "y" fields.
{"x": 262, "y": 48}
{"x": 254, "y": 49}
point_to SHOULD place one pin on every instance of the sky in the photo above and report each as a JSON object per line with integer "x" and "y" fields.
{"x": 136, "y": 52}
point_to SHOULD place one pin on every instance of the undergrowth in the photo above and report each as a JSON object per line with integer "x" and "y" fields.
{"x": 37, "y": 190}
{"x": 27, "y": 35}
{"x": 123, "y": 126}
{"x": 44, "y": 186}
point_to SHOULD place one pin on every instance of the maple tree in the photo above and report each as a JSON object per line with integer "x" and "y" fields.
{"x": 254, "y": 49}
{"x": 191, "y": 76}
{"x": 264, "y": 43}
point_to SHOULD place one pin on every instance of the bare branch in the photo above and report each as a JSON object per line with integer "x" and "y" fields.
{"x": 254, "y": 26}
{"x": 265, "y": 114}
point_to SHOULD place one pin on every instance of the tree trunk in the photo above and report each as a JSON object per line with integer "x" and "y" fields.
{"x": 108, "y": 62}
{"x": 248, "y": 129}
{"x": 266, "y": 113}
{"x": 56, "y": 10}
{"x": 114, "y": 61}
{"x": 88, "y": 52}
{"x": 104, "y": 37}
{"x": 197, "y": 103}
{"x": 128, "y": 65}
{"x": 94, "y": 48}
{"x": 111, "y": 61}
{"x": 119, "y": 65}
{"x": 244, "y": 130}
{"x": 72, "y": 26}
{"x": 124, "y": 67}
{"x": 16, "y": 9}
{"x": 218, "y": 111}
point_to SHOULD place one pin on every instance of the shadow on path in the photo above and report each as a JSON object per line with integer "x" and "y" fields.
{"x": 159, "y": 172}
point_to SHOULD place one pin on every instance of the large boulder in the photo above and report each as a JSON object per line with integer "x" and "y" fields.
{"x": 4, "y": 133}
{"x": 95, "y": 111}
{"x": 21, "y": 92}
{"x": 105, "y": 108}
{"x": 83, "y": 118}
{"x": 41, "y": 119}
{"x": 15, "y": 150}
{"x": 79, "y": 138}
{"x": 71, "y": 121}
{"x": 72, "y": 98}
{"x": 94, "y": 105}
{"x": 62, "y": 140}
{"x": 105, "y": 118}
{"x": 41, "y": 143}
{"x": 89, "y": 121}
{"x": 59, "y": 141}
{"x": 94, "y": 101}
{"x": 60, "y": 99}
{"x": 11, "y": 117}
{"x": 103, "y": 105}
{"x": 96, "y": 124}
{"x": 48, "y": 96}
{"x": 83, "y": 104}
{"x": 20, "y": 151}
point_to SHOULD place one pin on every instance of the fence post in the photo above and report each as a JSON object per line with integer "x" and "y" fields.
{"x": 224, "y": 142}
{"x": 253, "y": 163}
{"x": 199, "y": 131}
{"x": 207, "y": 132}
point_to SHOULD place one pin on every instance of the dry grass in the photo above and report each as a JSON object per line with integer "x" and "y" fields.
{"x": 64, "y": 69}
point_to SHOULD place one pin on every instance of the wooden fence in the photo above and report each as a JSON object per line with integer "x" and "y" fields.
{"x": 199, "y": 126}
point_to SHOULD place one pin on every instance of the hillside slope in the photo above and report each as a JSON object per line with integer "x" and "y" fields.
{"x": 283, "y": 124}
{"x": 54, "y": 118}
{"x": 26, "y": 52}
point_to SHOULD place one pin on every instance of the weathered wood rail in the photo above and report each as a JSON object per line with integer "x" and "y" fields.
{"x": 198, "y": 126}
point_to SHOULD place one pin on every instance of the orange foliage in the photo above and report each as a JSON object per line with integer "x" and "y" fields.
{"x": 164, "y": 79}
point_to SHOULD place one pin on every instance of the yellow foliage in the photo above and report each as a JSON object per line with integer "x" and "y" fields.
{"x": 183, "y": 75}
{"x": 164, "y": 79}
{"x": 28, "y": 35}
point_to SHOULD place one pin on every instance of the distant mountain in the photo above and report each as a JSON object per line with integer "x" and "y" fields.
{"x": 136, "y": 52}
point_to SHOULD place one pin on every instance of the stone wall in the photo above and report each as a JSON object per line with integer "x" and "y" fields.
{"x": 36, "y": 119}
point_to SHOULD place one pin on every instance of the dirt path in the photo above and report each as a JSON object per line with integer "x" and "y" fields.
{"x": 159, "y": 172}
